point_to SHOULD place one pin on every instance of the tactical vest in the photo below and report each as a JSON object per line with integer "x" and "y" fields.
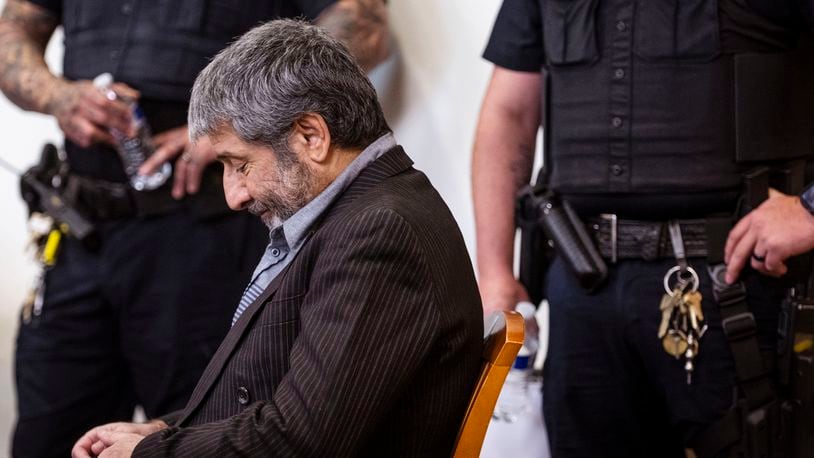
{"x": 670, "y": 95}
{"x": 156, "y": 46}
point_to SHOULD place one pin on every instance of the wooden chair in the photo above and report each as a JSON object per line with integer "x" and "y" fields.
{"x": 504, "y": 337}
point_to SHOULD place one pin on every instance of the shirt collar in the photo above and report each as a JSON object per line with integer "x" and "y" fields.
{"x": 295, "y": 227}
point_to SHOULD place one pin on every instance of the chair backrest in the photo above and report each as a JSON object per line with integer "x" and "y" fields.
{"x": 504, "y": 337}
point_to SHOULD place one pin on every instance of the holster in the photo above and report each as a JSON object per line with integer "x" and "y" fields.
{"x": 41, "y": 187}
{"x": 536, "y": 251}
{"x": 565, "y": 232}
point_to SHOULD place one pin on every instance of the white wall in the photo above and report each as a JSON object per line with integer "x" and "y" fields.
{"x": 431, "y": 93}
{"x": 433, "y": 99}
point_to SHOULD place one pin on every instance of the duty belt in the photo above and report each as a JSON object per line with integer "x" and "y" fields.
{"x": 649, "y": 240}
{"x": 102, "y": 200}
{"x": 105, "y": 200}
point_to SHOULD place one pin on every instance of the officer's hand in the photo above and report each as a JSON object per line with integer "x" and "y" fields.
{"x": 92, "y": 443}
{"x": 775, "y": 231}
{"x": 85, "y": 114}
{"x": 191, "y": 162}
{"x": 502, "y": 293}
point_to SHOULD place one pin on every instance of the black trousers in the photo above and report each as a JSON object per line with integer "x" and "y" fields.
{"x": 132, "y": 322}
{"x": 610, "y": 389}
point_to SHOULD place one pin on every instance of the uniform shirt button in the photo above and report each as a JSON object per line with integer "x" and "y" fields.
{"x": 616, "y": 169}
{"x": 127, "y": 8}
{"x": 115, "y": 54}
{"x": 616, "y": 121}
{"x": 621, "y": 26}
{"x": 243, "y": 395}
{"x": 619, "y": 73}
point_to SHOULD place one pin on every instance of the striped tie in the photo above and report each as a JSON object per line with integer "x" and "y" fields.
{"x": 249, "y": 295}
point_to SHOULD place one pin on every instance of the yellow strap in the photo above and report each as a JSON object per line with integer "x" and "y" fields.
{"x": 803, "y": 345}
{"x": 49, "y": 251}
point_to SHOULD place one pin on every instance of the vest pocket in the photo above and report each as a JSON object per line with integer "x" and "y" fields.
{"x": 569, "y": 31}
{"x": 677, "y": 30}
{"x": 82, "y": 15}
{"x": 182, "y": 15}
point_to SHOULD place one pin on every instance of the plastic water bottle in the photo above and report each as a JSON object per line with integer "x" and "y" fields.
{"x": 136, "y": 149}
{"x": 515, "y": 397}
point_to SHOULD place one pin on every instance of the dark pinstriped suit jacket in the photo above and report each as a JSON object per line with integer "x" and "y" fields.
{"x": 368, "y": 344}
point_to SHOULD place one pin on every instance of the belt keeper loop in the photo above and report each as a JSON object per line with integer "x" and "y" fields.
{"x": 611, "y": 217}
{"x": 677, "y": 241}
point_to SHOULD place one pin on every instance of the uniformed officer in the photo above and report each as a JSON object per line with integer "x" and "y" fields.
{"x": 643, "y": 127}
{"x": 135, "y": 319}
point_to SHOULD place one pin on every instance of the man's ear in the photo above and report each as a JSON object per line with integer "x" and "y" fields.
{"x": 311, "y": 138}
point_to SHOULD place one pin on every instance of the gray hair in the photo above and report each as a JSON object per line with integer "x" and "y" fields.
{"x": 277, "y": 72}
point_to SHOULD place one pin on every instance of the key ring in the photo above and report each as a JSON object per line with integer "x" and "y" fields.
{"x": 694, "y": 281}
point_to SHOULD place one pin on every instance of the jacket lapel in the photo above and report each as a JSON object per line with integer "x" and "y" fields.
{"x": 227, "y": 347}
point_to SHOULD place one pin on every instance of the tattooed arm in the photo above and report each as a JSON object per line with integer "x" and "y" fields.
{"x": 362, "y": 26}
{"x": 24, "y": 77}
{"x": 82, "y": 112}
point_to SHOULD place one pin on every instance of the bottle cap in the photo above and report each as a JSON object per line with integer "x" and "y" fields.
{"x": 527, "y": 309}
{"x": 103, "y": 81}
{"x": 521, "y": 362}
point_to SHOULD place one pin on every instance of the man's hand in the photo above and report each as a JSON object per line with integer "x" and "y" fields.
{"x": 100, "y": 438}
{"x": 775, "y": 231}
{"x": 190, "y": 165}
{"x": 85, "y": 114}
{"x": 501, "y": 294}
{"x": 119, "y": 444}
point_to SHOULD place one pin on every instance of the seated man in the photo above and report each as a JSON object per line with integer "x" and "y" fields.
{"x": 360, "y": 333}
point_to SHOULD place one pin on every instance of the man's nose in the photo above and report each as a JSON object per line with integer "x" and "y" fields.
{"x": 237, "y": 196}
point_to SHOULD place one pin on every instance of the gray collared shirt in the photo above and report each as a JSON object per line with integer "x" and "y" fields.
{"x": 286, "y": 239}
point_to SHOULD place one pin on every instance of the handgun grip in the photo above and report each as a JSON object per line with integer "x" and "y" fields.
{"x": 77, "y": 225}
{"x": 572, "y": 242}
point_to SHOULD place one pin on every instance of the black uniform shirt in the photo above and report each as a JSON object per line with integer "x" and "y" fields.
{"x": 639, "y": 93}
{"x": 158, "y": 47}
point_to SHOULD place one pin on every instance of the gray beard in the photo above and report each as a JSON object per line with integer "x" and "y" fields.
{"x": 294, "y": 183}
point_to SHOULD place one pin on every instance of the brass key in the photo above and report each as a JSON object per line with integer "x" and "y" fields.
{"x": 693, "y": 299}
{"x": 667, "y": 306}
{"x": 675, "y": 343}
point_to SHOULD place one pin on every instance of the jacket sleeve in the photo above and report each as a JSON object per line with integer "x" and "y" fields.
{"x": 367, "y": 323}
{"x": 172, "y": 417}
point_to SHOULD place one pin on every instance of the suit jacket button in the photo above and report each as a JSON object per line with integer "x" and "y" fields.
{"x": 243, "y": 395}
